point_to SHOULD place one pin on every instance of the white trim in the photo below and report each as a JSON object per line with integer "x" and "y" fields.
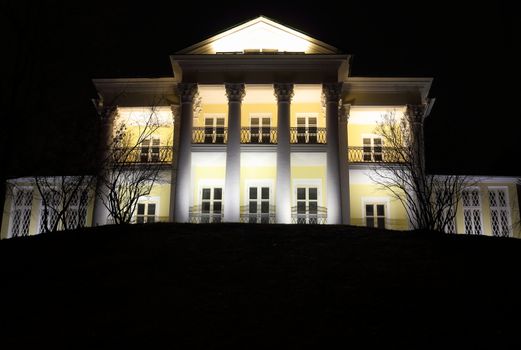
{"x": 148, "y": 200}
{"x": 258, "y": 183}
{"x": 377, "y": 200}
{"x": 307, "y": 183}
{"x": 208, "y": 183}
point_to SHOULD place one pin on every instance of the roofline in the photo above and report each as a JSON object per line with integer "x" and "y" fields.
{"x": 252, "y": 21}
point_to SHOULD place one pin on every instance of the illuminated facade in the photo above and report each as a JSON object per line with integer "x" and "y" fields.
{"x": 264, "y": 124}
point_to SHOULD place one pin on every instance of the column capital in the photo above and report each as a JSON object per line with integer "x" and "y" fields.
{"x": 331, "y": 91}
{"x": 283, "y": 92}
{"x": 235, "y": 91}
{"x": 187, "y": 92}
{"x": 343, "y": 112}
{"x": 415, "y": 114}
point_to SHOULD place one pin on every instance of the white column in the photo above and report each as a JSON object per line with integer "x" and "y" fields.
{"x": 232, "y": 189}
{"x": 343, "y": 162}
{"x": 175, "y": 151}
{"x": 187, "y": 92}
{"x": 108, "y": 115}
{"x": 284, "y": 93}
{"x": 331, "y": 93}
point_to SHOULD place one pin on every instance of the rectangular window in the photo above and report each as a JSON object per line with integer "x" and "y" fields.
{"x": 372, "y": 149}
{"x": 211, "y": 205}
{"x": 76, "y": 215}
{"x": 146, "y": 212}
{"x": 307, "y": 130}
{"x": 214, "y": 130}
{"x": 21, "y": 212}
{"x": 472, "y": 211}
{"x": 259, "y": 205}
{"x": 499, "y": 212}
{"x": 375, "y": 215}
{"x": 150, "y": 150}
{"x": 307, "y": 210}
{"x": 260, "y": 130}
{"x": 49, "y": 210}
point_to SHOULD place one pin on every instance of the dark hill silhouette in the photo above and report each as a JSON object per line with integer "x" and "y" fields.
{"x": 254, "y": 285}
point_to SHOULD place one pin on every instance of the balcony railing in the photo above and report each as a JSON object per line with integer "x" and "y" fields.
{"x": 309, "y": 215}
{"x": 309, "y": 135}
{"x": 217, "y": 135}
{"x": 143, "y": 155}
{"x": 361, "y": 154}
{"x": 198, "y": 216}
{"x": 257, "y": 217}
{"x": 259, "y": 135}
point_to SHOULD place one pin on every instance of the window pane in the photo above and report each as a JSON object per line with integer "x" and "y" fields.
{"x": 140, "y": 219}
{"x": 220, "y": 121}
{"x": 151, "y": 219}
{"x": 253, "y": 192}
{"x": 217, "y": 193}
{"x": 301, "y": 121}
{"x": 301, "y": 193}
{"x": 151, "y": 209}
{"x": 369, "y": 211}
{"x": 141, "y": 209}
{"x": 266, "y": 122}
{"x": 254, "y": 121}
{"x": 253, "y": 207}
{"x": 367, "y": 142}
{"x": 301, "y": 207}
{"x": 381, "y": 222}
{"x": 313, "y": 193}
{"x": 205, "y": 207}
{"x": 217, "y": 207}
{"x": 208, "y": 122}
{"x": 377, "y": 142}
{"x": 369, "y": 222}
{"x": 313, "y": 207}
{"x": 265, "y": 193}
{"x": 312, "y": 121}
{"x": 265, "y": 207}
{"x": 206, "y": 193}
{"x": 380, "y": 210}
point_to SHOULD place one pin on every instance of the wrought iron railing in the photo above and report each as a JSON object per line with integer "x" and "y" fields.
{"x": 309, "y": 215}
{"x": 309, "y": 135}
{"x": 198, "y": 216}
{"x": 257, "y": 135}
{"x": 257, "y": 217}
{"x": 142, "y": 220}
{"x": 143, "y": 155}
{"x": 213, "y": 135}
{"x": 361, "y": 154}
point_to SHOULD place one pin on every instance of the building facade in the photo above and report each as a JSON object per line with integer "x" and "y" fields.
{"x": 264, "y": 124}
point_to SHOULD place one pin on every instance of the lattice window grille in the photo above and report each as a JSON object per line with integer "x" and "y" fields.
{"x": 499, "y": 212}
{"x": 450, "y": 225}
{"x": 472, "y": 211}
{"x": 49, "y": 212}
{"x": 21, "y": 215}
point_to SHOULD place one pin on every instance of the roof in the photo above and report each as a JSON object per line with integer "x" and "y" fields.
{"x": 260, "y": 35}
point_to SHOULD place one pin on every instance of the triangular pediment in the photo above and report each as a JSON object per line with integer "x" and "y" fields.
{"x": 260, "y": 35}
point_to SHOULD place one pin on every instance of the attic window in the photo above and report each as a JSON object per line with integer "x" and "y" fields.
{"x": 261, "y": 51}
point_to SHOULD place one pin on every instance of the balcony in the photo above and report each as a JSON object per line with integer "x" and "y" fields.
{"x": 361, "y": 154}
{"x": 308, "y": 215}
{"x": 211, "y": 135}
{"x": 249, "y": 216}
{"x": 197, "y": 215}
{"x": 307, "y": 135}
{"x": 144, "y": 155}
{"x": 258, "y": 135}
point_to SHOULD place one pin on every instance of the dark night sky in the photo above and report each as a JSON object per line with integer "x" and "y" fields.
{"x": 469, "y": 50}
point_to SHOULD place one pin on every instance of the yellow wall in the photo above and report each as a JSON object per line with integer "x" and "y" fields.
{"x": 355, "y": 132}
{"x": 309, "y": 173}
{"x": 162, "y": 190}
{"x": 166, "y": 134}
{"x": 248, "y": 108}
{"x": 396, "y": 215}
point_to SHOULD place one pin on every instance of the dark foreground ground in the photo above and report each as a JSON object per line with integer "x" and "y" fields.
{"x": 260, "y": 286}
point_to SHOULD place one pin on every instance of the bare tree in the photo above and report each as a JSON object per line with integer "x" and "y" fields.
{"x": 64, "y": 201}
{"x": 131, "y": 166}
{"x": 431, "y": 201}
